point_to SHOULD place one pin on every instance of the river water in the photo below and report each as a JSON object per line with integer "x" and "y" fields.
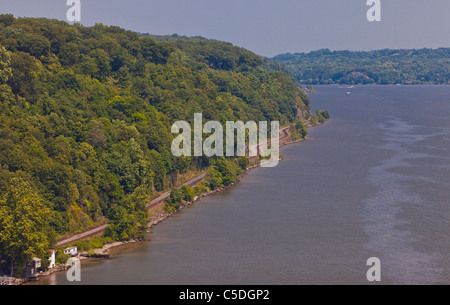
{"x": 374, "y": 181}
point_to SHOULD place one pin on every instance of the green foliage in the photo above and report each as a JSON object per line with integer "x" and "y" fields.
{"x": 5, "y": 65}
{"x": 174, "y": 201}
{"x": 223, "y": 172}
{"x": 322, "y": 115}
{"x": 61, "y": 257}
{"x": 86, "y": 116}
{"x": 6, "y": 19}
{"x": 24, "y": 80}
{"x": 98, "y": 242}
{"x": 422, "y": 66}
{"x": 120, "y": 225}
{"x": 178, "y": 197}
{"x": 243, "y": 163}
{"x": 24, "y": 231}
{"x": 298, "y": 131}
{"x": 129, "y": 219}
{"x": 69, "y": 54}
{"x": 188, "y": 193}
{"x": 82, "y": 245}
{"x": 202, "y": 188}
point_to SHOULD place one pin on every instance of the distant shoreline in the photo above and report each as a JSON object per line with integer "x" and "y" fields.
{"x": 379, "y": 85}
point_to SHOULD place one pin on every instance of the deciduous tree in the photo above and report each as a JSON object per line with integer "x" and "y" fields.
{"x": 24, "y": 230}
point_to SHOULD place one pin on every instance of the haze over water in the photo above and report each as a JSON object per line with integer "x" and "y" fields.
{"x": 374, "y": 181}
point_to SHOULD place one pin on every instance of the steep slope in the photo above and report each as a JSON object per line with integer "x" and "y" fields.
{"x": 86, "y": 114}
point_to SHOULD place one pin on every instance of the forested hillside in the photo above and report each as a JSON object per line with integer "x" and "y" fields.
{"x": 85, "y": 123}
{"x": 422, "y": 66}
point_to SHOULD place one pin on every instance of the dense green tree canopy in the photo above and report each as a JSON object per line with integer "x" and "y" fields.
{"x": 86, "y": 114}
{"x": 24, "y": 225}
{"x": 422, "y": 66}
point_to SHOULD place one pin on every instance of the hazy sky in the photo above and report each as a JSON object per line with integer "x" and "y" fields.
{"x": 266, "y": 27}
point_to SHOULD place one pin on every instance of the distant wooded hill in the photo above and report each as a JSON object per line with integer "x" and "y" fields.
{"x": 421, "y": 66}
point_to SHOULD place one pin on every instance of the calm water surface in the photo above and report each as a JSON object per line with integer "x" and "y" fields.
{"x": 372, "y": 182}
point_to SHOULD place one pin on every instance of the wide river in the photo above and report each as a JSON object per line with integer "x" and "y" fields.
{"x": 374, "y": 181}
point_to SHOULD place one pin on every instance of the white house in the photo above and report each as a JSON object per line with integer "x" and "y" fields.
{"x": 52, "y": 259}
{"x": 72, "y": 251}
